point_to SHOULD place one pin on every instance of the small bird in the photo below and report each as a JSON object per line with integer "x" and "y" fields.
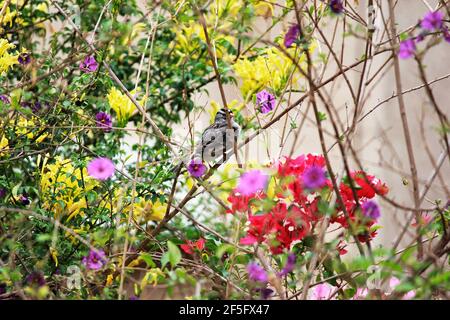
{"x": 217, "y": 139}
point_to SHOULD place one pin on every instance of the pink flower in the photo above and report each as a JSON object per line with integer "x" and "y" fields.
{"x": 252, "y": 182}
{"x": 323, "y": 291}
{"x": 424, "y": 220}
{"x": 394, "y": 282}
{"x": 101, "y": 168}
{"x": 361, "y": 293}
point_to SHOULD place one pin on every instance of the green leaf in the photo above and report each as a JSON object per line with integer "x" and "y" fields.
{"x": 173, "y": 255}
{"x": 148, "y": 259}
{"x": 221, "y": 250}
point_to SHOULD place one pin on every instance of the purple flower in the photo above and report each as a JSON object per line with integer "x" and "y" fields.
{"x": 432, "y": 21}
{"x": 420, "y": 37}
{"x": 133, "y": 297}
{"x": 89, "y": 64}
{"x": 314, "y": 177}
{"x": 35, "y": 279}
{"x": 265, "y": 292}
{"x": 407, "y": 49}
{"x": 95, "y": 260}
{"x": 265, "y": 101}
{"x": 2, "y": 192}
{"x": 104, "y": 120}
{"x": 446, "y": 34}
{"x": 371, "y": 209}
{"x": 256, "y": 273}
{"x": 101, "y": 168}
{"x": 5, "y": 99}
{"x": 336, "y": 6}
{"x": 24, "y": 200}
{"x": 291, "y": 35}
{"x": 24, "y": 58}
{"x": 196, "y": 168}
{"x": 252, "y": 182}
{"x": 289, "y": 266}
{"x": 35, "y": 107}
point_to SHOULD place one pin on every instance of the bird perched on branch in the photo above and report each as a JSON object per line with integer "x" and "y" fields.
{"x": 217, "y": 139}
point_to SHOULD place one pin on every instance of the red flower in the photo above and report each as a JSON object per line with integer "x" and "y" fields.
{"x": 190, "y": 246}
{"x": 279, "y": 228}
{"x": 291, "y": 166}
{"x": 297, "y": 166}
{"x": 341, "y": 247}
{"x": 240, "y": 203}
{"x": 364, "y": 190}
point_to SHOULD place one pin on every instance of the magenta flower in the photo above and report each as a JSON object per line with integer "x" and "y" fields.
{"x": 252, "y": 182}
{"x": 101, "y": 168}
{"x": 256, "y": 272}
{"x": 95, "y": 260}
{"x": 291, "y": 35}
{"x": 265, "y": 101}
{"x": 336, "y": 6}
{"x": 104, "y": 120}
{"x": 196, "y": 168}
{"x": 89, "y": 64}
{"x": 371, "y": 209}
{"x": 432, "y": 21}
{"x": 314, "y": 177}
{"x": 289, "y": 266}
{"x": 407, "y": 49}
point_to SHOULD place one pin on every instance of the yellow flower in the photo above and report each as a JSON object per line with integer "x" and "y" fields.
{"x": 109, "y": 280}
{"x": 263, "y": 8}
{"x": 151, "y": 277}
{"x": 147, "y": 210}
{"x": 190, "y": 37}
{"x": 60, "y": 181}
{"x": 25, "y": 127}
{"x": 54, "y": 254}
{"x": 42, "y": 7}
{"x": 234, "y": 106}
{"x": 122, "y": 105}
{"x": 271, "y": 69}
{"x": 3, "y": 145}
{"x": 6, "y": 59}
{"x": 8, "y": 16}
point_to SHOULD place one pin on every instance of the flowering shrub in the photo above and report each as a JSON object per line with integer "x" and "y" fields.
{"x": 105, "y": 190}
{"x": 299, "y": 200}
